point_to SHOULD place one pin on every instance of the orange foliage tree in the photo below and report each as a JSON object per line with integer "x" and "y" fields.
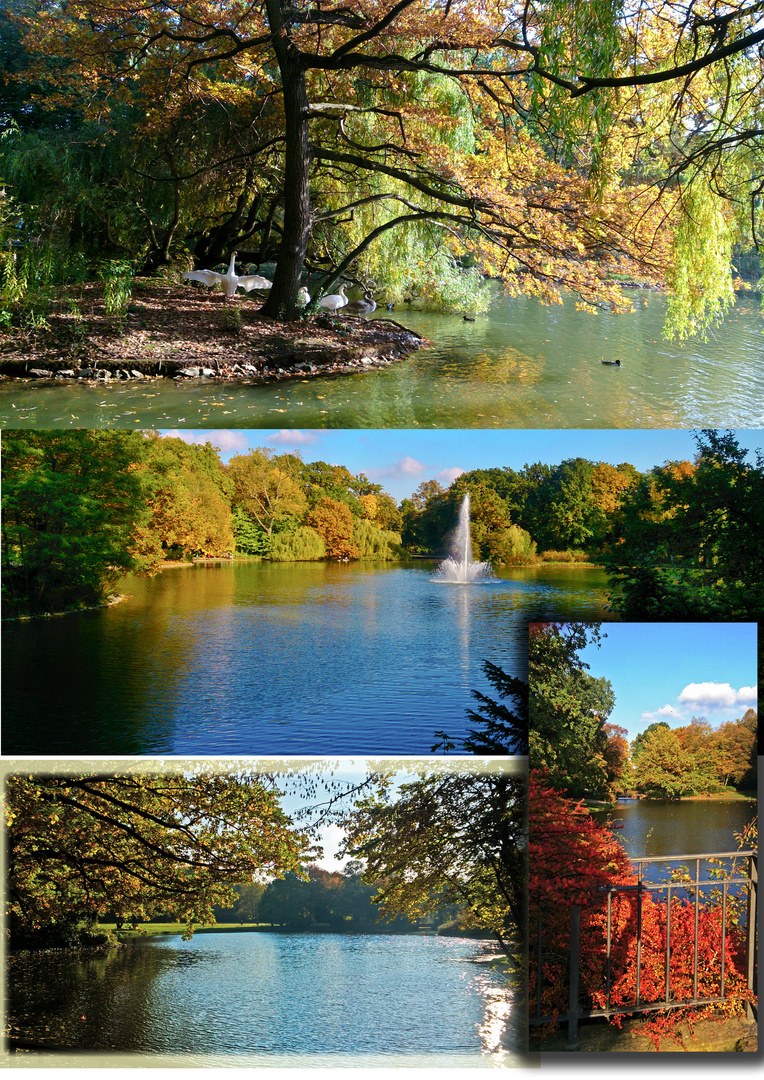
{"x": 333, "y": 522}
{"x": 572, "y": 861}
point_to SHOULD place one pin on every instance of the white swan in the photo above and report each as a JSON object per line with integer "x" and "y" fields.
{"x": 303, "y": 297}
{"x": 229, "y": 281}
{"x": 362, "y": 307}
{"x": 334, "y": 301}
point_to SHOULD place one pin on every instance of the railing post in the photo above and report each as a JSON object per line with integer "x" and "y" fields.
{"x": 575, "y": 958}
{"x": 539, "y": 960}
{"x": 753, "y": 874}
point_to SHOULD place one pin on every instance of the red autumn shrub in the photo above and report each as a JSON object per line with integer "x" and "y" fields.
{"x": 572, "y": 859}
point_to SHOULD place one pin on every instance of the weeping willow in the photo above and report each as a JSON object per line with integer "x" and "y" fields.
{"x": 375, "y": 543}
{"x": 420, "y": 262}
{"x": 302, "y": 545}
{"x": 701, "y": 277}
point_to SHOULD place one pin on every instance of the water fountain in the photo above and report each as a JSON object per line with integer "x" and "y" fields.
{"x": 459, "y": 567}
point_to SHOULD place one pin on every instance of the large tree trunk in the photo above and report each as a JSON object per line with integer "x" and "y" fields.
{"x": 281, "y": 302}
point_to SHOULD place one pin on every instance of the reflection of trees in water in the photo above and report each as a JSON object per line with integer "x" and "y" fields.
{"x": 100, "y": 1002}
{"x": 198, "y": 656}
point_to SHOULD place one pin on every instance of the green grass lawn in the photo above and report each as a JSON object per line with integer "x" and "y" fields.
{"x": 175, "y": 928}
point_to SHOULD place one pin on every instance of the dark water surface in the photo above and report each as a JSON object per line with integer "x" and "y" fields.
{"x": 275, "y": 658}
{"x": 286, "y": 999}
{"x": 688, "y": 827}
{"x": 523, "y": 365}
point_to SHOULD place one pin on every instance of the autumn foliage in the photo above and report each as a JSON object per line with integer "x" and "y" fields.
{"x": 572, "y": 861}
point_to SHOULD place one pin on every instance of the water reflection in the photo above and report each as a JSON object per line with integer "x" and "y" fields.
{"x": 306, "y": 658}
{"x": 272, "y": 999}
{"x": 521, "y": 366}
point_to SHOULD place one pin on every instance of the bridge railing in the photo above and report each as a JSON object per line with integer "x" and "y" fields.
{"x": 741, "y": 876}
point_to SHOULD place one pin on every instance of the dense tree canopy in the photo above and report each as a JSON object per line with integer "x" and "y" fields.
{"x": 73, "y": 507}
{"x": 568, "y": 709}
{"x": 691, "y": 537}
{"x": 554, "y": 144}
{"x": 340, "y": 900}
{"x": 682, "y": 540}
{"x": 696, "y": 758}
{"x": 82, "y": 508}
{"x": 456, "y": 834}
{"x": 137, "y": 844}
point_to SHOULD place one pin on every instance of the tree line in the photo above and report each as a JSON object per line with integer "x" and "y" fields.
{"x": 580, "y": 753}
{"x": 559, "y": 144}
{"x": 82, "y": 508}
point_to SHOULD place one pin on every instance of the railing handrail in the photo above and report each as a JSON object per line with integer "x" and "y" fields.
{"x": 748, "y": 877}
{"x": 705, "y": 855}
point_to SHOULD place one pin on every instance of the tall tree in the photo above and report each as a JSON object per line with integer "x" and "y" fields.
{"x": 567, "y": 708}
{"x": 333, "y": 522}
{"x": 455, "y": 834}
{"x": 136, "y": 844}
{"x": 692, "y": 538}
{"x": 267, "y": 487}
{"x": 499, "y": 729}
{"x": 190, "y": 511}
{"x": 665, "y": 770}
{"x": 400, "y": 116}
{"x": 73, "y": 504}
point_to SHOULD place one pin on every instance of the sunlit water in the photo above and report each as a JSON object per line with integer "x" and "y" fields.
{"x": 274, "y": 658}
{"x": 260, "y": 999}
{"x": 523, "y": 365}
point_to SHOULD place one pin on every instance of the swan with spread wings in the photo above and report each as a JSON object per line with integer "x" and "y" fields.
{"x": 230, "y": 281}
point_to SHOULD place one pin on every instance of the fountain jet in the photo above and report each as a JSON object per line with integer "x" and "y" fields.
{"x": 459, "y": 566}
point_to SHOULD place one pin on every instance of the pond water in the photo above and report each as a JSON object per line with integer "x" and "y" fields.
{"x": 270, "y": 999}
{"x": 688, "y": 827}
{"x": 276, "y": 658}
{"x": 523, "y": 365}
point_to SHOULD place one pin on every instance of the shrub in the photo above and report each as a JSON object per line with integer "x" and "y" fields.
{"x": 251, "y": 538}
{"x": 117, "y": 278}
{"x": 564, "y": 556}
{"x": 571, "y": 859}
{"x": 375, "y": 543}
{"x": 515, "y": 548}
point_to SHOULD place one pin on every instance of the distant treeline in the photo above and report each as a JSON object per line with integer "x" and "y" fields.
{"x": 339, "y": 900}
{"x": 81, "y": 508}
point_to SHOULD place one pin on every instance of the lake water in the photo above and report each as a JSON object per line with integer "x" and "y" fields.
{"x": 688, "y": 827}
{"x": 523, "y": 365}
{"x": 268, "y": 999}
{"x": 276, "y": 658}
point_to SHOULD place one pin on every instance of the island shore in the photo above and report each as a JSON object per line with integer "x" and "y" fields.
{"x": 183, "y": 332}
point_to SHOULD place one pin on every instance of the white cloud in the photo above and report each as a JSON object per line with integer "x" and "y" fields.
{"x": 747, "y": 695}
{"x": 447, "y": 476}
{"x": 710, "y": 695}
{"x": 224, "y": 438}
{"x": 407, "y": 468}
{"x": 664, "y": 713}
{"x": 285, "y": 437}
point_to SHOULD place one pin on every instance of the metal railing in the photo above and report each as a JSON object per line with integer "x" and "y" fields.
{"x": 686, "y": 883}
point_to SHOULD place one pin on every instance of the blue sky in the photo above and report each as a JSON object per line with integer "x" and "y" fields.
{"x": 400, "y": 459}
{"x": 674, "y": 671}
